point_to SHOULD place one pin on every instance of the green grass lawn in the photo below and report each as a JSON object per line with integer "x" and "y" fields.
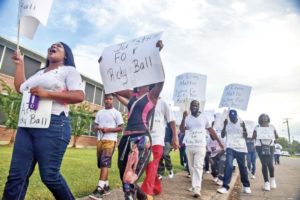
{"x": 78, "y": 168}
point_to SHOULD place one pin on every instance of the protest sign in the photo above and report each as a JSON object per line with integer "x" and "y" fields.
{"x": 189, "y": 86}
{"x": 236, "y": 96}
{"x": 31, "y": 14}
{"x": 265, "y": 133}
{"x": 131, "y": 64}
{"x": 31, "y": 118}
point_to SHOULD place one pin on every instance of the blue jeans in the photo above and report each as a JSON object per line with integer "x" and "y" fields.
{"x": 241, "y": 160}
{"x": 45, "y": 147}
{"x": 251, "y": 162}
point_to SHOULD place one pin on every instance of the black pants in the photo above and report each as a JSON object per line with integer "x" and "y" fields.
{"x": 165, "y": 161}
{"x": 267, "y": 163}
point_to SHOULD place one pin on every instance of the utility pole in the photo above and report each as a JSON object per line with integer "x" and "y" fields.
{"x": 286, "y": 120}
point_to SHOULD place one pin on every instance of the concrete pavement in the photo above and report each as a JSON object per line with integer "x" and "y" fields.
{"x": 287, "y": 176}
{"x": 176, "y": 189}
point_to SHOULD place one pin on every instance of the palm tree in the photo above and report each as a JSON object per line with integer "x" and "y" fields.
{"x": 10, "y": 102}
{"x": 81, "y": 118}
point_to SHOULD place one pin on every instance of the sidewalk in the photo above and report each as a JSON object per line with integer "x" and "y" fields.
{"x": 176, "y": 189}
{"x": 287, "y": 176}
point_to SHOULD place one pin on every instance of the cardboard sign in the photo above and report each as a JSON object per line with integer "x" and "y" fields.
{"x": 132, "y": 64}
{"x": 189, "y": 86}
{"x": 236, "y": 96}
{"x": 265, "y": 133}
{"x": 31, "y": 14}
{"x": 31, "y": 118}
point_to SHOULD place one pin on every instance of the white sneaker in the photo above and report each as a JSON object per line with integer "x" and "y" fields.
{"x": 247, "y": 190}
{"x": 273, "y": 183}
{"x": 159, "y": 177}
{"x": 253, "y": 176}
{"x": 196, "y": 193}
{"x": 219, "y": 182}
{"x": 171, "y": 174}
{"x": 267, "y": 186}
{"x": 222, "y": 190}
{"x": 191, "y": 189}
{"x": 208, "y": 172}
{"x": 215, "y": 179}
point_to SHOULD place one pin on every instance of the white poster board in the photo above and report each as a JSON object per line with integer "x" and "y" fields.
{"x": 132, "y": 64}
{"x": 195, "y": 137}
{"x": 39, "y": 118}
{"x": 265, "y": 133}
{"x": 236, "y": 96}
{"x": 250, "y": 126}
{"x": 31, "y": 14}
{"x": 189, "y": 86}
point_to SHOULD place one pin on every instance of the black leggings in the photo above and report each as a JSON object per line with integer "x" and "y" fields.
{"x": 266, "y": 162}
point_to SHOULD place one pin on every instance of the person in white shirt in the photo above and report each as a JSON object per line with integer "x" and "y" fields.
{"x": 195, "y": 127}
{"x": 277, "y": 152}
{"x": 236, "y": 148}
{"x": 108, "y": 123}
{"x": 162, "y": 115}
{"x": 265, "y": 149}
{"x": 57, "y": 84}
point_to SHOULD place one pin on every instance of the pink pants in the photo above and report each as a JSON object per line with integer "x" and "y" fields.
{"x": 151, "y": 184}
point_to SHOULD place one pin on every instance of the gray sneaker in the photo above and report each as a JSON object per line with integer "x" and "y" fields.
{"x": 97, "y": 194}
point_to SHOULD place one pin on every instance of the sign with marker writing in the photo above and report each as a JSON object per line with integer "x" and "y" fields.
{"x": 236, "y": 96}
{"x": 189, "y": 86}
{"x": 31, "y": 14}
{"x": 265, "y": 133}
{"x": 34, "y": 118}
{"x": 195, "y": 137}
{"x": 132, "y": 64}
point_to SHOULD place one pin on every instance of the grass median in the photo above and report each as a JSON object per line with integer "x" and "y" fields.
{"x": 78, "y": 168}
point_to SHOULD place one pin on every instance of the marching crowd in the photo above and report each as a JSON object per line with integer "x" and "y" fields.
{"x": 148, "y": 138}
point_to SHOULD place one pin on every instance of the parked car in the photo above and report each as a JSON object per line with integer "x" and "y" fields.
{"x": 297, "y": 154}
{"x": 285, "y": 153}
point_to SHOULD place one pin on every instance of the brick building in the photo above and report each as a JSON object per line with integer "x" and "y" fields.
{"x": 34, "y": 61}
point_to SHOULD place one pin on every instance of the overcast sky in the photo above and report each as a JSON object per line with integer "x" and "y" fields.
{"x": 255, "y": 43}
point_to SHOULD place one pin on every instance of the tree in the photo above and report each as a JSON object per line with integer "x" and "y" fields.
{"x": 81, "y": 118}
{"x": 283, "y": 142}
{"x": 10, "y": 102}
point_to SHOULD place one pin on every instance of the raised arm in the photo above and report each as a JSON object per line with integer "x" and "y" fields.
{"x": 125, "y": 93}
{"x": 18, "y": 59}
{"x": 223, "y": 132}
{"x": 122, "y": 100}
{"x": 182, "y": 124}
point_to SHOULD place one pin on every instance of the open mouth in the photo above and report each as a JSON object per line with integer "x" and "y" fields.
{"x": 52, "y": 50}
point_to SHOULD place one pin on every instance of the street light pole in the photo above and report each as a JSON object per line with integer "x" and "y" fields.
{"x": 286, "y": 120}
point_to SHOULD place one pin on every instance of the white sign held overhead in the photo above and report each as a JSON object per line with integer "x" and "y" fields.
{"x": 34, "y": 118}
{"x": 132, "y": 64}
{"x": 236, "y": 96}
{"x": 31, "y": 14}
{"x": 189, "y": 86}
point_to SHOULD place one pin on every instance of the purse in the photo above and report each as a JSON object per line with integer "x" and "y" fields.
{"x": 265, "y": 149}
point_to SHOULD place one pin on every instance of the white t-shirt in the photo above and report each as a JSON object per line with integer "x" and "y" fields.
{"x": 278, "y": 148}
{"x": 234, "y": 136}
{"x": 108, "y": 118}
{"x": 162, "y": 115}
{"x": 61, "y": 79}
{"x": 265, "y": 141}
{"x": 213, "y": 146}
{"x": 195, "y": 133}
